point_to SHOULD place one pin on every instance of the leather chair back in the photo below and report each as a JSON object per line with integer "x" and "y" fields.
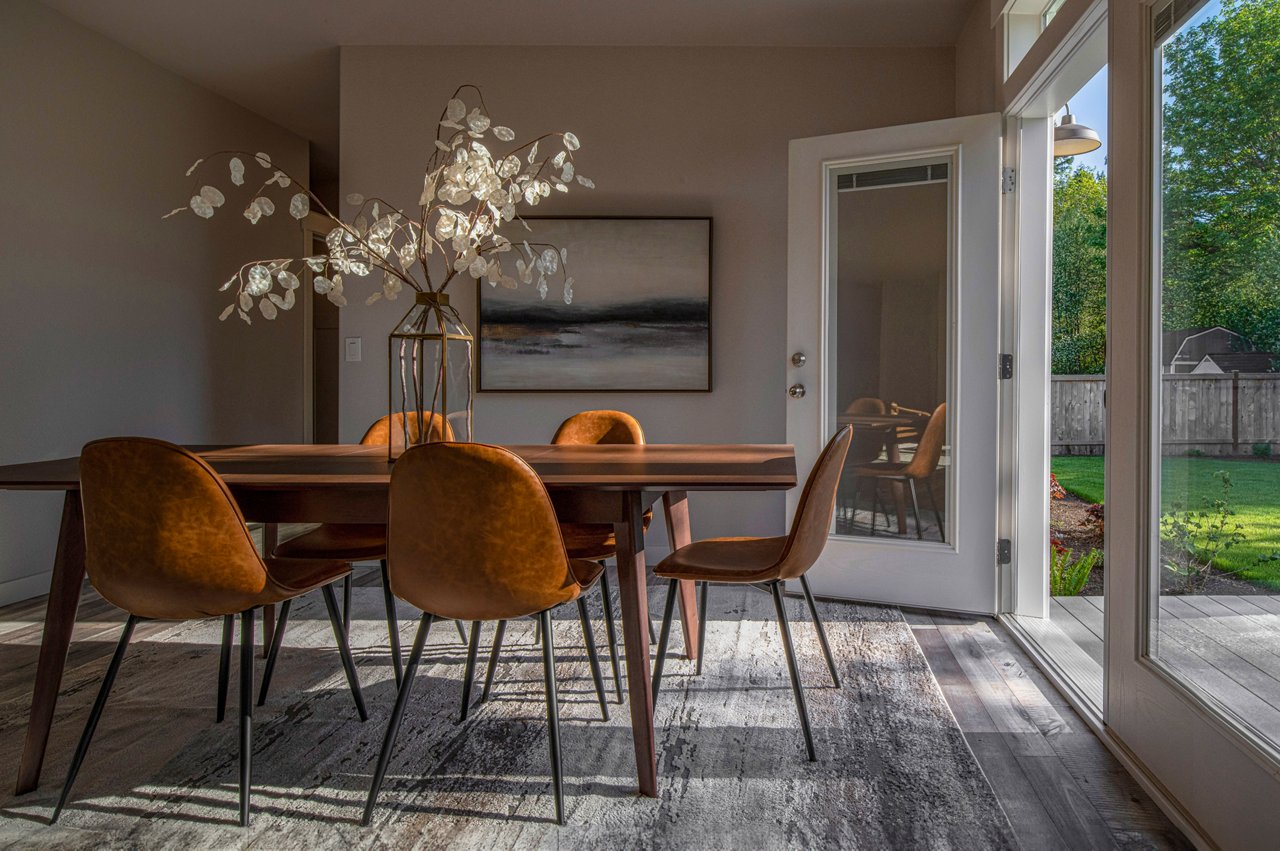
{"x": 868, "y": 443}
{"x": 473, "y": 534}
{"x": 392, "y": 428}
{"x": 812, "y": 523}
{"x": 164, "y": 537}
{"x": 599, "y": 427}
{"x": 929, "y": 450}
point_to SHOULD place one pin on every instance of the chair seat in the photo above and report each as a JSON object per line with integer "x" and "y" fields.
{"x": 290, "y": 577}
{"x": 880, "y": 469}
{"x": 586, "y": 572}
{"x": 593, "y": 541}
{"x": 725, "y": 560}
{"x": 339, "y": 541}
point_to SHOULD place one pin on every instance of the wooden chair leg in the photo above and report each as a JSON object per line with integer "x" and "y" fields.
{"x": 793, "y": 669}
{"x": 493, "y": 660}
{"x": 246, "y": 712}
{"x": 274, "y": 653}
{"x": 469, "y": 673}
{"x": 224, "y": 664}
{"x": 593, "y": 659}
{"x": 344, "y": 650}
{"x": 95, "y": 714}
{"x": 664, "y": 637}
{"x": 553, "y": 711}
{"x": 822, "y": 632}
{"x": 611, "y": 633}
{"x": 937, "y": 511}
{"x": 397, "y": 714}
{"x": 393, "y": 624}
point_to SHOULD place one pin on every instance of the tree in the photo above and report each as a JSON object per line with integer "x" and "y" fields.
{"x": 1221, "y": 170}
{"x": 1079, "y": 270}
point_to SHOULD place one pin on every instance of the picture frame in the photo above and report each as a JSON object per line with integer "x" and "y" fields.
{"x": 639, "y": 320}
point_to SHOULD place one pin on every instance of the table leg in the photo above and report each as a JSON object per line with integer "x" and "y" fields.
{"x": 676, "y": 506}
{"x": 898, "y": 488}
{"x": 270, "y": 538}
{"x": 633, "y": 593}
{"x": 59, "y": 620}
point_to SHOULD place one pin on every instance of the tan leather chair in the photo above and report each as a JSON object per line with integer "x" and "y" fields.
{"x": 165, "y": 540}
{"x": 768, "y": 562}
{"x": 920, "y": 468}
{"x": 474, "y": 537}
{"x": 868, "y": 443}
{"x": 351, "y": 542}
{"x": 596, "y": 541}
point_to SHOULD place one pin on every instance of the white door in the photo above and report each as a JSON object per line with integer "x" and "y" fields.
{"x": 892, "y": 323}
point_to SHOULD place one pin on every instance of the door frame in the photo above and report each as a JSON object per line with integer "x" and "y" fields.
{"x": 1225, "y": 781}
{"x": 973, "y": 144}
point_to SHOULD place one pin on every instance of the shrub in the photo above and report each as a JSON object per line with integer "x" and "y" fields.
{"x": 1193, "y": 538}
{"x": 1067, "y": 578}
{"x": 1056, "y": 491}
{"x": 1262, "y": 450}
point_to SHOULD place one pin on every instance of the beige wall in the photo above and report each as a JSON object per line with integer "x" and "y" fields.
{"x": 891, "y": 296}
{"x": 109, "y": 324}
{"x": 979, "y": 63}
{"x": 666, "y": 131}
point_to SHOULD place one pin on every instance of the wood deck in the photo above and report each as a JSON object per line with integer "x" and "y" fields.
{"x": 1229, "y": 646}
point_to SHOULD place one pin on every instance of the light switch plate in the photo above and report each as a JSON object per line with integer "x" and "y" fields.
{"x": 353, "y": 350}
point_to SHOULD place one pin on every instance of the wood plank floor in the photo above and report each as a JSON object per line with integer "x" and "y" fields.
{"x": 1228, "y": 645}
{"x": 1060, "y": 787}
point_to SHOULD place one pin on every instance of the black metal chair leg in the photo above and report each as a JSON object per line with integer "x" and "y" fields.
{"x": 702, "y": 624}
{"x": 875, "y": 503}
{"x": 462, "y": 631}
{"x": 282, "y": 618}
{"x": 915, "y": 509}
{"x": 593, "y": 659}
{"x": 393, "y": 624}
{"x": 224, "y": 665}
{"x": 653, "y": 638}
{"x": 473, "y": 648}
{"x": 344, "y": 650}
{"x": 822, "y": 632}
{"x": 246, "y": 712}
{"x": 611, "y": 633}
{"x": 794, "y": 670}
{"x": 493, "y": 660}
{"x": 663, "y": 638}
{"x": 553, "y": 711}
{"x": 937, "y": 512}
{"x": 108, "y": 680}
{"x": 346, "y": 604}
{"x": 393, "y": 726}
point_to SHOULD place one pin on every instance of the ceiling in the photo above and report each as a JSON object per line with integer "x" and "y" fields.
{"x": 279, "y": 58}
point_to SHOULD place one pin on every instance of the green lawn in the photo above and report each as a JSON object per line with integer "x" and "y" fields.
{"x": 1255, "y": 497}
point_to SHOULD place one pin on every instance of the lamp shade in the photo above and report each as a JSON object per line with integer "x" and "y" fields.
{"x": 1071, "y": 139}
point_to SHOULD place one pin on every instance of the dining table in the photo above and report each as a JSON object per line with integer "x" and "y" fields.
{"x": 339, "y": 483}
{"x": 888, "y": 424}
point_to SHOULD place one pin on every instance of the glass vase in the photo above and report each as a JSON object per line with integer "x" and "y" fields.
{"x": 429, "y": 388}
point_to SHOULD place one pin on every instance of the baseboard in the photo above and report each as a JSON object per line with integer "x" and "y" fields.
{"x": 25, "y": 588}
{"x": 1136, "y": 768}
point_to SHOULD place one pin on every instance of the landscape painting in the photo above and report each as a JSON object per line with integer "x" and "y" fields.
{"x": 640, "y": 318}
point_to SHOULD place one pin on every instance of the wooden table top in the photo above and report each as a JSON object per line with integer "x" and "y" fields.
{"x": 877, "y": 420}
{"x": 654, "y": 466}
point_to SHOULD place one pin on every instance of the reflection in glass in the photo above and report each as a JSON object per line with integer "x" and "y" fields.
{"x": 1215, "y": 575}
{"x": 889, "y": 369}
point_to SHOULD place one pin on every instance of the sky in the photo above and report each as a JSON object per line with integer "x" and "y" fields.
{"x": 1089, "y": 105}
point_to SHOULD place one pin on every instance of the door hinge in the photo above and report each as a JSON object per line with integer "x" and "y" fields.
{"x": 1008, "y": 180}
{"x": 1006, "y": 367}
{"x": 1004, "y": 551}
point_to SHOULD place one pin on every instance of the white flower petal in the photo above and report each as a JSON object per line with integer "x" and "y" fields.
{"x": 237, "y": 171}
{"x": 299, "y": 205}
{"x": 262, "y": 159}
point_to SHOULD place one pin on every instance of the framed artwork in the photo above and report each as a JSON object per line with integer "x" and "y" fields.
{"x": 640, "y": 319}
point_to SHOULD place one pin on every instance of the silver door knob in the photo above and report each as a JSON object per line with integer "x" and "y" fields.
{"x": 798, "y": 359}
{"x": 796, "y": 391}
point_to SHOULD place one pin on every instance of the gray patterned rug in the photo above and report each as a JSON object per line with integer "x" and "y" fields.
{"x": 893, "y": 770}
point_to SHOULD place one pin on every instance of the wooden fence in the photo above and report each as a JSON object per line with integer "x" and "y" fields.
{"x": 1213, "y": 414}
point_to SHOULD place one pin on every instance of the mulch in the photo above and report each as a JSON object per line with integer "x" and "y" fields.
{"x": 1070, "y": 523}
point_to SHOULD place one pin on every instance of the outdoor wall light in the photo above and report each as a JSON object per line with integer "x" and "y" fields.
{"x": 1071, "y": 139}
